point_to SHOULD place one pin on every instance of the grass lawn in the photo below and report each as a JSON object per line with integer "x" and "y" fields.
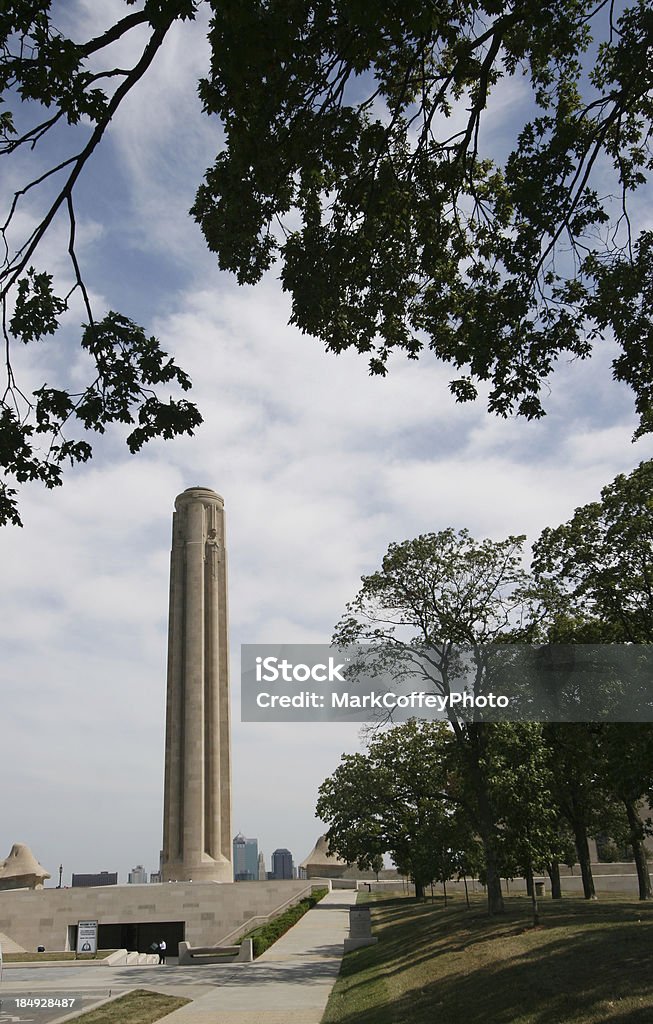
{"x": 586, "y": 962}
{"x": 138, "y": 1007}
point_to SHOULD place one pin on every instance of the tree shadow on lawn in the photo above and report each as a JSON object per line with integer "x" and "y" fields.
{"x": 491, "y": 978}
{"x": 551, "y": 984}
{"x": 440, "y": 930}
{"x": 436, "y": 931}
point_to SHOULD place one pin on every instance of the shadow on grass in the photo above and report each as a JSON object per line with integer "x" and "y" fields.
{"x": 437, "y": 931}
{"x": 551, "y": 984}
{"x": 588, "y": 962}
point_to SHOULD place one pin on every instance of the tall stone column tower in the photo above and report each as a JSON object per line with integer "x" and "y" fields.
{"x": 197, "y": 797}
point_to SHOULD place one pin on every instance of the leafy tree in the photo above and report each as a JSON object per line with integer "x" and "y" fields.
{"x": 52, "y": 75}
{"x": 522, "y": 784}
{"x": 349, "y": 802}
{"x": 430, "y": 596}
{"x": 393, "y": 799}
{"x": 363, "y": 127}
{"x": 359, "y": 155}
{"x": 602, "y": 562}
{"x": 585, "y": 799}
{"x": 627, "y": 754}
{"x": 376, "y": 864}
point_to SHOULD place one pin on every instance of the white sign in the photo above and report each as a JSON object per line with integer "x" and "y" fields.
{"x": 87, "y": 936}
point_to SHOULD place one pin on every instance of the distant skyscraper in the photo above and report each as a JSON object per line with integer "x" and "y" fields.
{"x": 137, "y": 875}
{"x": 262, "y": 873}
{"x": 245, "y": 859}
{"x": 282, "y": 866}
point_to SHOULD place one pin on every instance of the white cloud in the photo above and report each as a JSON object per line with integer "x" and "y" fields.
{"x": 320, "y": 466}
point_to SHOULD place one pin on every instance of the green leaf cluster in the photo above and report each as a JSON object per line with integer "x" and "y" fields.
{"x": 128, "y": 366}
{"x": 45, "y": 74}
{"x": 600, "y": 565}
{"x": 359, "y": 157}
{"x": 400, "y": 232}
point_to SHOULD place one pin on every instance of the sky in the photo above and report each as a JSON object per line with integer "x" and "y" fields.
{"x": 320, "y": 467}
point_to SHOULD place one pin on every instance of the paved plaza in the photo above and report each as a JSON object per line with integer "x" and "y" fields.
{"x": 289, "y": 984}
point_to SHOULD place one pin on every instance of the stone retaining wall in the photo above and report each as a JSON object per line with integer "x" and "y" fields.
{"x": 209, "y": 910}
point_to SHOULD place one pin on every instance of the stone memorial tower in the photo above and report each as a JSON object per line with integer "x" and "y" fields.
{"x": 197, "y": 796}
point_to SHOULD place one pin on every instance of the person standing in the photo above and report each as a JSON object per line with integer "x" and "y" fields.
{"x": 162, "y": 951}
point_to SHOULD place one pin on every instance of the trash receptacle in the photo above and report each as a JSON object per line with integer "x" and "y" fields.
{"x": 539, "y": 888}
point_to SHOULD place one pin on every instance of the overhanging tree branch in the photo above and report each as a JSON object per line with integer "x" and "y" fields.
{"x": 128, "y": 364}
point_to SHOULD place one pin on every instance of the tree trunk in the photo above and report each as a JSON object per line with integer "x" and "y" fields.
{"x": 495, "y": 904}
{"x": 637, "y": 843}
{"x": 486, "y": 824}
{"x": 466, "y": 891}
{"x": 529, "y": 882}
{"x": 419, "y": 890}
{"x": 583, "y": 851}
{"x": 553, "y": 870}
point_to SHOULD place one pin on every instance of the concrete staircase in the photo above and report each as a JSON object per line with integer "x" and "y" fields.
{"x": 121, "y": 958}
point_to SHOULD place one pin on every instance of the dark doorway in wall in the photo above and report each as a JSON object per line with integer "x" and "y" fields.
{"x": 138, "y": 937}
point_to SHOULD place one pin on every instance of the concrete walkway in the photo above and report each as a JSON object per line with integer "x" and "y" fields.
{"x": 290, "y": 983}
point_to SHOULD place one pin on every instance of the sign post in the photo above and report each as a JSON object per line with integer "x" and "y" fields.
{"x": 87, "y": 937}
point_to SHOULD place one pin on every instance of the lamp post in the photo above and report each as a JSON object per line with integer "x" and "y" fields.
{"x": 60, "y": 873}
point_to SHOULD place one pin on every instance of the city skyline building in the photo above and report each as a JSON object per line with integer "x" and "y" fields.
{"x": 137, "y": 876}
{"x": 245, "y": 859}
{"x": 99, "y": 878}
{"x": 262, "y": 873}
{"x": 282, "y": 864}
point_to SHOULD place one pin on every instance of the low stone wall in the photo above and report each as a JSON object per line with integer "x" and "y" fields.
{"x": 210, "y": 910}
{"x": 625, "y": 867}
{"x": 624, "y": 882}
{"x": 196, "y": 956}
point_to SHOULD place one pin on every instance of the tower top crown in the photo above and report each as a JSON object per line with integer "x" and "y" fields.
{"x": 203, "y": 494}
